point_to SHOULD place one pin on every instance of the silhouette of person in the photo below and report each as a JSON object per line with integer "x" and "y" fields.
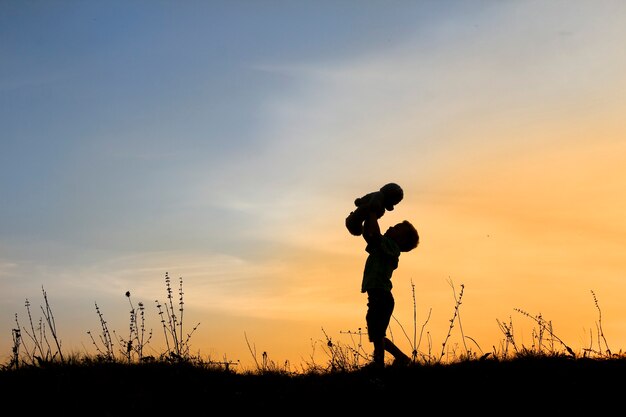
{"x": 383, "y": 255}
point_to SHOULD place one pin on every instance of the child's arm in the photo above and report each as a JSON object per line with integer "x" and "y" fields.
{"x": 371, "y": 228}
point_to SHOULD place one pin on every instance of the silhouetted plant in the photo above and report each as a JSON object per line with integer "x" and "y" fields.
{"x": 16, "y": 335}
{"x": 137, "y": 340}
{"x": 455, "y": 317}
{"x": 601, "y": 337}
{"x": 415, "y": 344}
{"x": 267, "y": 365}
{"x": 509, "y": 339}
{"x": 356, "y": 337}
{"x": 106, "y": 352}
{"x": 538, "y": 336}
{"x": 342, "y": 357}
{"x": 177, "y": 345}
{"x": 603, "y": 346}
{"x": 41, "y": 350}
{"x": 47, "y": 313}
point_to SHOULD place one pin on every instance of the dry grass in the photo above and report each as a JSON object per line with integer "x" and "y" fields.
{"x": 42, "y": 344}
{"x": 120, "y": 379}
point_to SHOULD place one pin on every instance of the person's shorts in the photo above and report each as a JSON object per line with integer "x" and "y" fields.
{"x": 380, "y": 304}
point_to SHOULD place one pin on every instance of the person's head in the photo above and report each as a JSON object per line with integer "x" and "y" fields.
{"x": 405, "y": 235}
{"x": 393, "y": 194}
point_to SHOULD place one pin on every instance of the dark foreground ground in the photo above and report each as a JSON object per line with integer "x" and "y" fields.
{"x": 527, "y": 386}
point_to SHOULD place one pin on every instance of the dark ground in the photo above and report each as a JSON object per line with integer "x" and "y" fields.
{"x": 526, "y": 386}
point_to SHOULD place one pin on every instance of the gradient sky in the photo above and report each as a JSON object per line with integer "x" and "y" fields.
{"x": 224, "y": 142}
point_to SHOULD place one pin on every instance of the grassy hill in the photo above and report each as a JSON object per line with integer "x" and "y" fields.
{"x": 526, "y": 385}
{"x": 548, "y": 378}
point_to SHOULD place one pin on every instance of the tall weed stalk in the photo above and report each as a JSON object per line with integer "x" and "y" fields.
{"x": 176, "y": 342}
{"x": 43, "y": 349}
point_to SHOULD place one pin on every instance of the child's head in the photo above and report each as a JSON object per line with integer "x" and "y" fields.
{"x": 405, "y": 235}
{"x": 393, "y": 195}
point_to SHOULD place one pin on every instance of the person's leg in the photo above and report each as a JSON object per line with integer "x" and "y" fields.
{"x": 376, "y": 324}
{"x": 379, "y": 352}
{"x": 399, "y": 356}
{"x": 388, "y": 345}
{"x": 380, "y": 307}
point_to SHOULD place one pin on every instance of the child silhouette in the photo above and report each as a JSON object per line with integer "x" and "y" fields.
{"x": 375, "y": 202}
{"x": 383, "y": 256}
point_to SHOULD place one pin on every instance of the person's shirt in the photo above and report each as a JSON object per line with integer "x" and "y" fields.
{"x": 384, "y": 254}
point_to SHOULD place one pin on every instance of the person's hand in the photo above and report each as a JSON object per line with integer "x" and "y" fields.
{"x": 371, "y": 229}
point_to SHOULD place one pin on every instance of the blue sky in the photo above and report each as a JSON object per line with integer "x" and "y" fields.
{"x": 225, "y": 142}
{"x": 114, "y": 105}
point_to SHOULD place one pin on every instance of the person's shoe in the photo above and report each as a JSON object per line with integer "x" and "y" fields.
{"x": 373, "y": 366}
{"x": 401, "y": 361}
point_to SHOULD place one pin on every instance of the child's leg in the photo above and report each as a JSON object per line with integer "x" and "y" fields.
{"x": 379, "y": 309}
{"x": 354, "y": 222}
{"x": 379, "y": 352}
{"x": 399, "y": 356}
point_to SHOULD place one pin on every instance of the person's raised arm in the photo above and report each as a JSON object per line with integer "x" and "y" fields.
{"x": 371, "y": 229}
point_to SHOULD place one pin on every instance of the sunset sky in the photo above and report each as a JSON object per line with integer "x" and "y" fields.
{"x": 224, "y": 143}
